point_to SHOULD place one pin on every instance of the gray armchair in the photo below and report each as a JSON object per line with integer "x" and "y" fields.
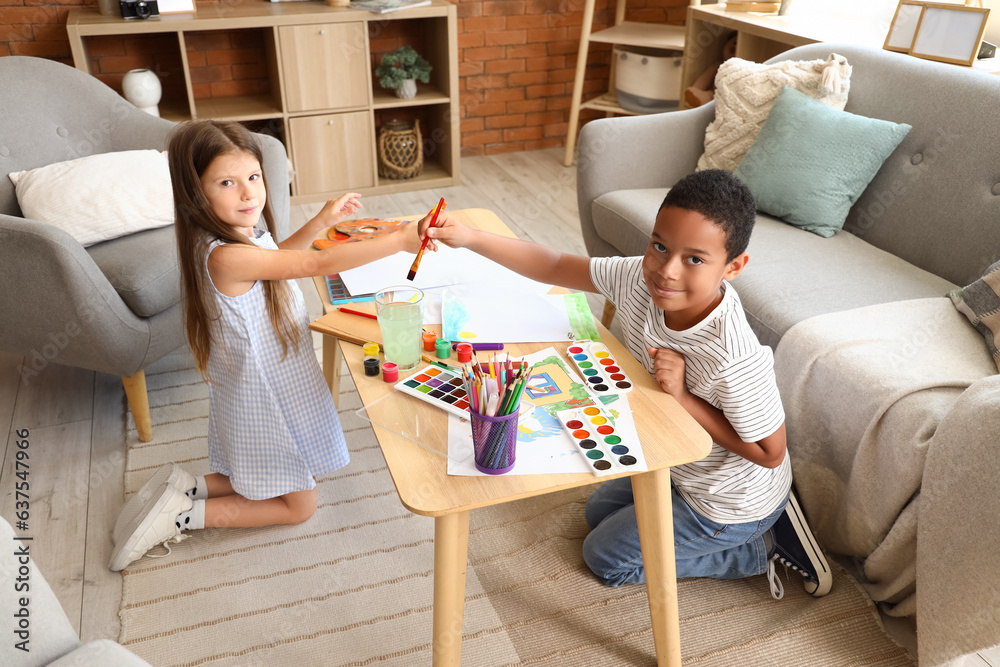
{"x": 113, "y": 307}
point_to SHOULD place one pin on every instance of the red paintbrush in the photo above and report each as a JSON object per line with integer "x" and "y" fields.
{"x": 416, "y": 260}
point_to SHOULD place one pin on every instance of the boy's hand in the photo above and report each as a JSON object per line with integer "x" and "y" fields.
{"x": 336, "y": 210}
{"x": 668, "y": 369}
{"x": 447, "y": 230}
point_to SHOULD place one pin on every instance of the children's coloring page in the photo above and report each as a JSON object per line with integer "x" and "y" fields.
{"x": 489, "y": 314}
{"x": 543, "y": 445}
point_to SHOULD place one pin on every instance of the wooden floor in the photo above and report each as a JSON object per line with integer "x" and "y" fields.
{"x": 74, "y": 417}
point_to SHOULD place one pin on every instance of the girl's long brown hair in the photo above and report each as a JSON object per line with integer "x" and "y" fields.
{"x": 193, "y": 146}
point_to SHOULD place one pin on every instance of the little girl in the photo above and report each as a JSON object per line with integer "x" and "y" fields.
{"x": 272, "y": 425}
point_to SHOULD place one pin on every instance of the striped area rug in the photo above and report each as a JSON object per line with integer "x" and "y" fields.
{"x": 353, "y": 585}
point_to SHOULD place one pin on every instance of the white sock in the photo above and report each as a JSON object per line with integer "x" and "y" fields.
{"x": 200, "y": 490}
{"x": 193, "y": 519}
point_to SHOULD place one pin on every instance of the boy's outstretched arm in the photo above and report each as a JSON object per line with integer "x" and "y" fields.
{"x": 532, "y": 260}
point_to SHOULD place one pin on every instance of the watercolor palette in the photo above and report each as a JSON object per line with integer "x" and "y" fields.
{"x": 595, "y": 435}
{"x": 440, "y": 387}
{"x": 598, "y": 367}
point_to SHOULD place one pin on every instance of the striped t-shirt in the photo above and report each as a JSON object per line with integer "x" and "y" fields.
{"x": 726, "y": 366}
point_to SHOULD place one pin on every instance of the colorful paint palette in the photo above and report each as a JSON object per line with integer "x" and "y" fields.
{"x": 440, "y": 387}
{"x": 601, "y": 372}
{"x": 595, "y": 435}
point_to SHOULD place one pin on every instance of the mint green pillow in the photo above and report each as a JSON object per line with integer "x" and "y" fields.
{"x": 810, "y": 162}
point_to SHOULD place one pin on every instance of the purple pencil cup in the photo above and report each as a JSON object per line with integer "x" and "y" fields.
{"x": 495, "y": 441}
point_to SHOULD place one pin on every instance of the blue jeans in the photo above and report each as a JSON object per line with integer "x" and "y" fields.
{"x": 702, "y": 548}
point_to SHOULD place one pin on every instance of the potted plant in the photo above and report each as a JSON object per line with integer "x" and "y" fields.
{"x": 400, "y": 69}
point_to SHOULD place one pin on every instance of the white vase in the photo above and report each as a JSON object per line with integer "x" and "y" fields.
{"x": 143, "y": 89}
{"x": 408, "y": 90}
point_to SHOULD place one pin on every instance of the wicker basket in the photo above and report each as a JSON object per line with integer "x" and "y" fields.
{"x": 400, "y": 149}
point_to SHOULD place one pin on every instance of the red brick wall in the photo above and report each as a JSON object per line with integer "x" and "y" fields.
{"x": 517, "y": 60}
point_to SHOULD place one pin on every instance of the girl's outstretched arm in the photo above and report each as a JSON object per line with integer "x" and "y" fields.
{"x": 332, "y": 212}
{"x": 532, "y": 260}
{"x": 235, "y": 267}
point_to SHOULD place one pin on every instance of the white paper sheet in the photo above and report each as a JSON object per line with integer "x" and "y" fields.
{"x": 447, "y": 266}
{"x": 483, "y": 313}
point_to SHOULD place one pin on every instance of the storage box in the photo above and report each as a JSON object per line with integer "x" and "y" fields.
{"x": 647, "y": 80}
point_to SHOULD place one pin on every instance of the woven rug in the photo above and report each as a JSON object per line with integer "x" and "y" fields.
{"x": 353, "y": 585}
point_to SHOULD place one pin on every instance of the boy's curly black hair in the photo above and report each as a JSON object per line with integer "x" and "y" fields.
{"x": 722, "y": 198}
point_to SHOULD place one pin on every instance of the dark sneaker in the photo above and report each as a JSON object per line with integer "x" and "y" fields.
{"x": 795, "y": 547}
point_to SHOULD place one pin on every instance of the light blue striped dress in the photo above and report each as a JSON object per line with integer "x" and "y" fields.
{"x": 272, "y": 423}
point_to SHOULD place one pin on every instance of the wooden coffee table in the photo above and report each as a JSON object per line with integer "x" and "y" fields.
{"x": 669, "y": 437}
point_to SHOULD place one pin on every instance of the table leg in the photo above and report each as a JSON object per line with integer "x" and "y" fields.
{"x": 332, "y": 359}
{"x": 656, "y": 536}
{"x": 451, "y": 552}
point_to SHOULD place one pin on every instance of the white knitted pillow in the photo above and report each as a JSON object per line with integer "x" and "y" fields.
{"x": 745, "y": 92}
{"x": 99, "y": 197}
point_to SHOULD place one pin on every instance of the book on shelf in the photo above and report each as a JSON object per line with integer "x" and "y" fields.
{"x": 752, "y": 6}
{"x": 386, "y": 6}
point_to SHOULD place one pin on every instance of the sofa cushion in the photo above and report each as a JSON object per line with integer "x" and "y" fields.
{"x": 810, "y": 163}
{"x": 794, "y": 275}
{"x": 142, "y": 268}
{"x": 745, "y": 92}
{"x": 624, "y": 218}
{"x": 103, "y": 652}
{"x": 980, "y": 302}
{"x": 99, "y": 197}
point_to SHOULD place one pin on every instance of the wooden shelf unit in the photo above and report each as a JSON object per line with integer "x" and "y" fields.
{"x": 763, "y": 36}
{"x": 320, "y": 95}
{"x": 624, "y": 33}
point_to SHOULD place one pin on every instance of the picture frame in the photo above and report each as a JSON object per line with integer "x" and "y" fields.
{"x": 176, "y": 6}
{"x": 949, "y": 33}
{"x": 904, "y": 24}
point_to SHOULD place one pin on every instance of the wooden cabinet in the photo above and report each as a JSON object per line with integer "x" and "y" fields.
{"x": 316, "y": 90}
{"x": 333, "y": 152}
{"x": 325, "y": 66}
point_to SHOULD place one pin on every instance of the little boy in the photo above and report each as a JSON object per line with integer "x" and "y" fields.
{"x": 733, "y": 511}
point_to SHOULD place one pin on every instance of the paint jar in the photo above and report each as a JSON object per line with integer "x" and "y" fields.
{"x": 442, "y": 348}
{"x": 429, "y": 339}
{"x": 371, "y": 360}
{"x": 464, "y": 352}
{"x": 390, "y": 372}
{"x": 494, "y": 440}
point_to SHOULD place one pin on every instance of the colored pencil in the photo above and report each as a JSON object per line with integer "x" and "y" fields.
{"x": 351, "y": 311}
{"x": 481, "y": 346}
{"x": 416, "y": 260}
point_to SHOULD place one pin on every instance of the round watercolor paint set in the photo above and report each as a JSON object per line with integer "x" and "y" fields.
{"x": 600, "y": 370}
{"x": 594, "y": 434}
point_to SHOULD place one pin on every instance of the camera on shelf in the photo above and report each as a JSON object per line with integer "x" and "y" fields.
{"x": 138, "y": 9}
